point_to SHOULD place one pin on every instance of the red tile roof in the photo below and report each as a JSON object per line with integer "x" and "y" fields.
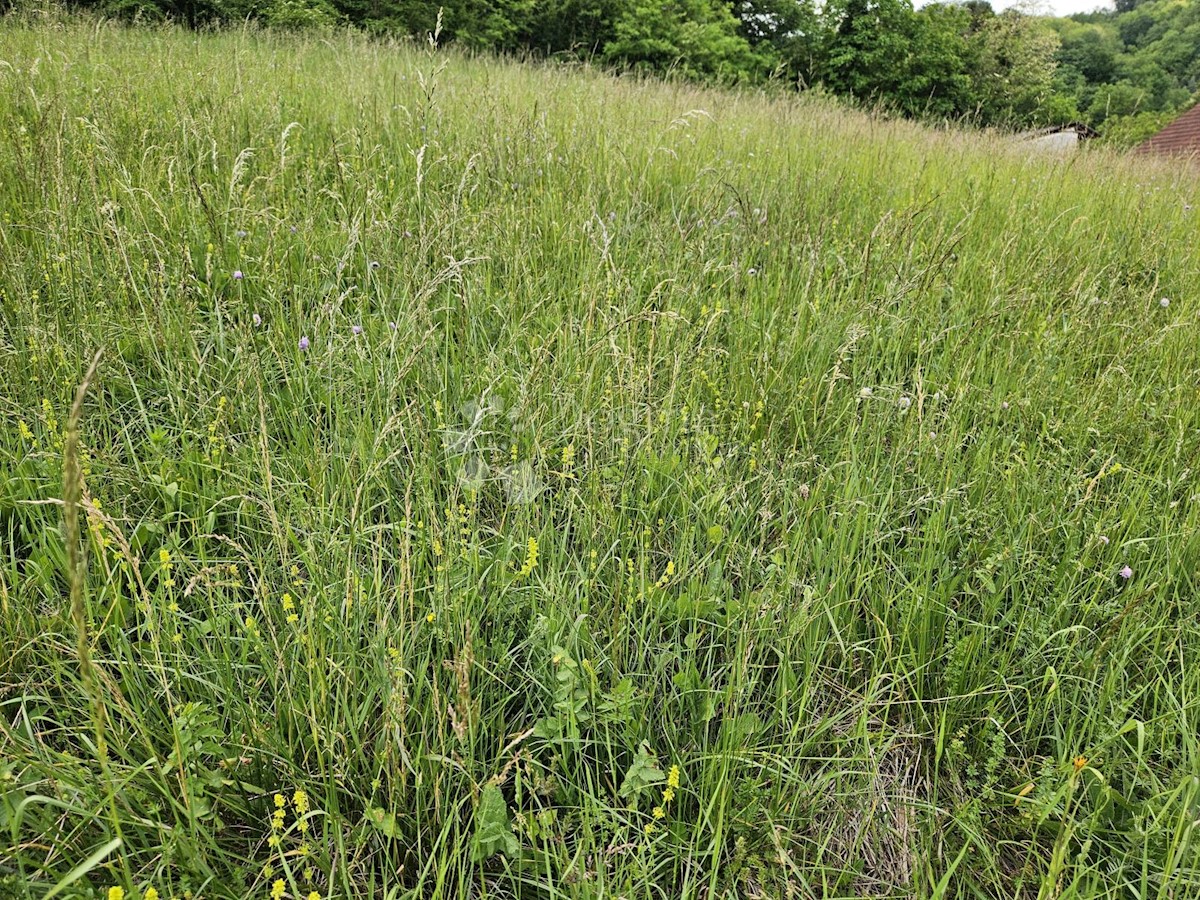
{"x": 1180, "y": 138}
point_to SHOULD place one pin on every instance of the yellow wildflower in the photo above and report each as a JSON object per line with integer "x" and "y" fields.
{"x": 659, "y": 812}
{"x": 280, "y": 801}
{"x": 300, "y": 801}
{"x": 151, "y": 894}
{"x": 648, "y": 828}
{"x": 116, "y": 893}
{"x": 673, "y": 777}
{"x": 278, "y": 889}
{"x": 666, "y": 576}
{"x": 531, "y": 557}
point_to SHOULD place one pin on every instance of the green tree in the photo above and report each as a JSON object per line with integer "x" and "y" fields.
{"x": 883, "y": 51}
{"x": 1014, "y": 71}
{"x": 790, "y": 30}
{"x": 578, "y": 26}
{"x": 694, "y": 37}
{"x": 1091, "y": 49}
{"x": 1116, "y": 100}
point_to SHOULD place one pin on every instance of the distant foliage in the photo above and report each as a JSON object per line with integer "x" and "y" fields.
{"x": 1129, "y": 71}
{"x": 303, "y": 14}
{"x": 946, "y": 61}
{"x": 695, "y": 37}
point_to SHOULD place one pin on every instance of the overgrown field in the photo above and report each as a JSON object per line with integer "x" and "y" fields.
{"x": 502, "y": 481}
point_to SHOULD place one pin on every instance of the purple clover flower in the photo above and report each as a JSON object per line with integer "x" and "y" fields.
{"x": 356, "y": 330}
{"x": 237, "y": 275}
{"x": 303, "y": 344}
{"x": 257, "y": 319}
{"x": 1126, "y": 573}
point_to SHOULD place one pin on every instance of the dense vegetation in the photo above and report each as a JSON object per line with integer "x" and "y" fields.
{"x": 505, "y": 481}
{"x": 1124, "y": 72}
{"x": 1128, "y": 73}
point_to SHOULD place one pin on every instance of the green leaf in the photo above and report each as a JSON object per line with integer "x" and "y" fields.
{"x": 643, "y": 774}
{"x": 493, "y": 833}
{"x": 384, "y": 821}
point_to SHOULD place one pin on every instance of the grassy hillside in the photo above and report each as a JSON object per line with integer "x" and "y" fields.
{"x": 515, "y": 482}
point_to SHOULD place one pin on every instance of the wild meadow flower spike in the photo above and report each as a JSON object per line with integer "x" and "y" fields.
{"x": 1164, "y": 302}
{"x": 303, "y": 344}
{"x": 356, "y": 330}
{"x": 531, "y": 558}
{"x": 1126, "y": 573}
{"x": 116, "y": 893}
{"x": 237, "y": 275}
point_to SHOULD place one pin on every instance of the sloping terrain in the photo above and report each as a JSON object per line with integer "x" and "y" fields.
{"x": 503, "y": 481}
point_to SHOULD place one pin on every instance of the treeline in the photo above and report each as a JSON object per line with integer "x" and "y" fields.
{"x": 1130, "y": 71}
{"x": 1124, "y": 72}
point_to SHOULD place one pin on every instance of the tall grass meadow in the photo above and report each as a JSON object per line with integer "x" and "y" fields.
{"x": 501, "y": 480}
